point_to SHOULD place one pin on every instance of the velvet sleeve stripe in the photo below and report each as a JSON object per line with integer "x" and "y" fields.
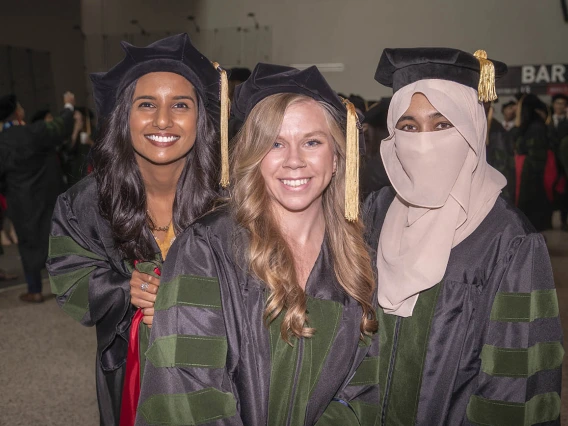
{"x": 189, "y": 290}
{"x": 525, "y": 307}
{"x": 511, "y": 362}
{"x": 188, "y": 351}
{"x": 540, "y": 409}
{"x": 337, "y": 414}
{"x": 66, "y": 246}
{"x": 366, "y": 413}
{"x": 60, "y": 284}
{"x": 367, "y": 373}
{"x": 192, "y": 408}
{"x": 76, "y": 304}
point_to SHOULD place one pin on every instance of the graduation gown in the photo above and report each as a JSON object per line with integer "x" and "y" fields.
{"x": 33, "y": 180}
{"x": 212, "y": 360}
{"x": 532, "y": 198}
{"x": 92, "y": 284}
{"x": 501, "y": 156}
{"x": 484, "y": 346}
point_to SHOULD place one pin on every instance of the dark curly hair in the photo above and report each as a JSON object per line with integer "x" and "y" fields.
{"x": 121, "y": 190}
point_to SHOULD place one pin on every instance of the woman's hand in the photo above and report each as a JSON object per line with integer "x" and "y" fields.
{"x": 144, "y": 296}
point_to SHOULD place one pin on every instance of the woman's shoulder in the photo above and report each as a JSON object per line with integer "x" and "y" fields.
{"x": 83, "y": 196}
{"x": 218, "y": 223}
{"x": 213, "y": 234}
{"x": 497, "y": 239}
{"x": 504, "y": 217}
{"x": 219, "y": 220}
{"x": 78, "y": 207}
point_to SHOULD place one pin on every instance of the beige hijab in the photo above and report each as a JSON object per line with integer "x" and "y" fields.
{"x": 444, "y": 187}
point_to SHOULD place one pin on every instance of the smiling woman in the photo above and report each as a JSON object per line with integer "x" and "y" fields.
{"x": 300, "y": 164}
{"x": 283, "y": 279}
{"x": 155, "y": 171}
{"x": 163, "y": 120}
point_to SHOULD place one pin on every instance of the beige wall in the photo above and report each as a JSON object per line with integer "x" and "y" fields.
{"x": 354, "y": 32}
{"x": 48, "y": 26}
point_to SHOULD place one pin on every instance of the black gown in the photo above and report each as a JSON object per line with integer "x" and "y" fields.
{"x": 484, "y": 346}
{"x": 533, "y": 202}
{"x": 501, "y": 156}
{"x": 92, "y": 284}
{"x": 33, "y": 180}
{"x": 212, "y": 360}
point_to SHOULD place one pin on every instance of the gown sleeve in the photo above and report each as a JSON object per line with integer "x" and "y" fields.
{"x": 357, "y": 403}
{"x": 185, "y": 380}
{"x": 520, "y": 361}
{"x": 86, "y": 286}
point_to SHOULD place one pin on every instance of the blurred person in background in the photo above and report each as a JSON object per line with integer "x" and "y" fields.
{"x": 33, "y": 181}
{"x": 532, "y": 144}
{"x": 373, "y": 173}
{"x": 559, "y": 105}
{"x": 509, "y": 111}
{"x": 44, "y": 114}
{"x": 556, "y": 124}
{"x": 500, "y": 152}
{"x": 79, "y": 146}
{"x": 562, "y": 157}
{"x": 4, "y": 275}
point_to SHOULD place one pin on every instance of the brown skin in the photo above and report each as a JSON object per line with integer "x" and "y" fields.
{"x": 164, "y": 106}
{"x": 421, "y": 116}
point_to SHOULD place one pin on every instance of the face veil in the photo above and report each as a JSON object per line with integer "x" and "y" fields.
{"x": 445, "y": 189}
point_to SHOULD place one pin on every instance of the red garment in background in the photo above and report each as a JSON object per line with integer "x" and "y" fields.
{"x": 550, "y": 175}
{"x": 519, "y": 162}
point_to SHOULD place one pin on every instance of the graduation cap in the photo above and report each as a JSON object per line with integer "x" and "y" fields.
{"x": 270, "y": 79}
{"x": 400, "y": 67}
{"x": 173, "y": 54}
{"x": 8, "y": 105}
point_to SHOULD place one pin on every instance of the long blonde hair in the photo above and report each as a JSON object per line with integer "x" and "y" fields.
{"x": 269, "y": 256}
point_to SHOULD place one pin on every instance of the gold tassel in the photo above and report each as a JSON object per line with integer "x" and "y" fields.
{"x": 351, "y": 164}
{"x": 224, "y": 119}
{"x": 486, "y": 89}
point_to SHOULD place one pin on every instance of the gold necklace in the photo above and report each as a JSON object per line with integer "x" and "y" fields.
{"x": 153, "y": 227}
